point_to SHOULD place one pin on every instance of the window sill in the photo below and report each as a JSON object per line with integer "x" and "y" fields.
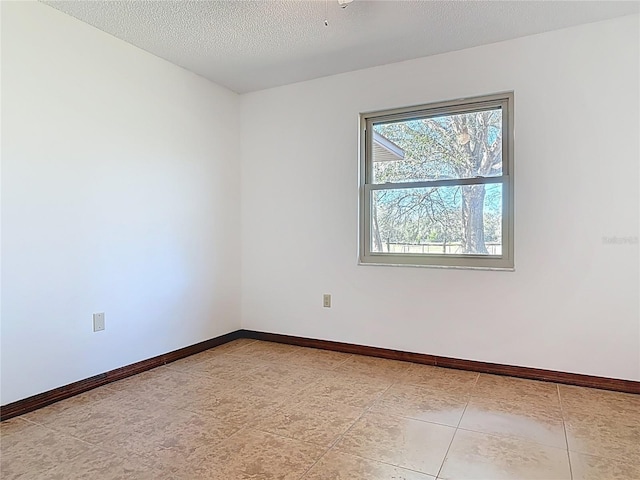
{"x": 448, "y": 267}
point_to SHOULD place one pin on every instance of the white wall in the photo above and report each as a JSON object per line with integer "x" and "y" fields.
{"x": 573, "y": 302}
{"x": 120, "y": 193}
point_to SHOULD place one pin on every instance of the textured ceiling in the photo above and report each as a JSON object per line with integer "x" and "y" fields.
{"x": 252, "y": 45}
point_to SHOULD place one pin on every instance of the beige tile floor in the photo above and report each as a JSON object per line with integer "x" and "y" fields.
{"x": 259, "y": 410}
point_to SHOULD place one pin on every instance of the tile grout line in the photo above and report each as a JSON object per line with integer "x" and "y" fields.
{"x": 368, "y": 409}
{"x": 373, "y": 406}
{"x": 92, "y": 445}
{"x": 564, "y": 428}
{"x": 457, "y": 427}
{"x": 349, "y": 356}
{"x": 341, "y": 436}
{"x": 99, "y": 445}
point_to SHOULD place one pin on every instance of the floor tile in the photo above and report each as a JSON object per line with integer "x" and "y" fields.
{"x": 170, "y": 387}
{"x": 588, "y": 467}
{"x": 234, "y": 405}
{"x": 534, "y": 419}
{"x": 446, "y": 380}
{"x": 262, "y": 410}
{"x": 594, "y": 397}
{"x": 403, "y": 442}
{"x": 318, "y": 359}
{"x": 94, "y": 422}
{"x": 285, "y": 377}
{"x": 225, "y": 348}
{"x": 15, "y": 425}
{"x": 341, "y": 466}
{"x": 187, "y": 363}
{"x": 217, "y": 367}
{"x": 606, "y": 436}
{"x": 256, "y": 455}
{"x": 140, "y": 380}
{"x": 310, "y": 421}
{"x": 422, "y": 404}
{"x": 97, "y": 464}
{"x": 266, "y": 352}
{"x": 579, "y": 401}
{"x": 36, "y": 450}
{"x": 50, "y": 412}
{"x": 185, "y": 430}
{"x": 517, "y": 389}
{"x": 372, "y": 367}
{"x": 479, "y": 456}
{"x": 357, "y": 391}
{"x": 601, "y": 423}
{"x": 180, "y": 433}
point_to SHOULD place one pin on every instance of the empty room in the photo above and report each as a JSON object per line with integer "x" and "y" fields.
{"x": 320, "y": 240}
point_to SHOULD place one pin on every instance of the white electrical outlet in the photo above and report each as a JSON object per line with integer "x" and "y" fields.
{"x": 98, "y": 322}
{"x": 326, "y": 300}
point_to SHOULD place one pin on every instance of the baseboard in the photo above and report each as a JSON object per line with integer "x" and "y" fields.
{"x": 604, "y": 383}
{"x": 30, "y": 404}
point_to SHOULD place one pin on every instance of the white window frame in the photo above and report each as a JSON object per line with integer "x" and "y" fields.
{"x": 505, "y": 261}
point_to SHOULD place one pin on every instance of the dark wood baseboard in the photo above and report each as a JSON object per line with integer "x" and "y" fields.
{"x": 46, "y": 398}
{"x": 29, "y": 404}
{"x": 604, "y": 383}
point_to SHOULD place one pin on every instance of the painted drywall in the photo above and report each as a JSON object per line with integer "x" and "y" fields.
{"x": 120, "y": 194}
{"x": 572, "y": 303}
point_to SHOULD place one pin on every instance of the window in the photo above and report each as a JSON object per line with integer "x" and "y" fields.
{"x": 436, "y": 184}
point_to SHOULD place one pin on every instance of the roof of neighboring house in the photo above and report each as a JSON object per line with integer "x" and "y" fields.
{"x": 384, "y": 150}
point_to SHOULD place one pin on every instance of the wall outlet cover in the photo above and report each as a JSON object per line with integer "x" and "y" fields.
{"x": 98, "y": 322}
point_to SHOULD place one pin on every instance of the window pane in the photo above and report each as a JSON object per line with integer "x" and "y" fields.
{"x": 438, "y": 220}
{"x": 464, "y": 145}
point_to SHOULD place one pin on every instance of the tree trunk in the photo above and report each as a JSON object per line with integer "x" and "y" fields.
{"x": 376, "y": 231}
{"x": 473, "y": 219}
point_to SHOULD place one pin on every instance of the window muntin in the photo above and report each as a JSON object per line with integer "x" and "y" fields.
{"x": 436, "y": 185}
